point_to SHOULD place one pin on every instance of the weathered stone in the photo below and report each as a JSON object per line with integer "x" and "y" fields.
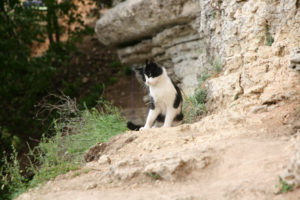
{"x": 169, "y": 167}
{"x": 91, "y": 186}
{"x": 291, "y": 174}
{"x": 259, "y": 109}
{"x": 295, "y": 60}
{"x": 252, "y": 39}
{"x": 104, "y": 159}
{"x": 134, "y": 20}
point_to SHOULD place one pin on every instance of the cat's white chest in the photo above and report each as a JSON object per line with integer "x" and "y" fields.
{"x": 163, "y": 95}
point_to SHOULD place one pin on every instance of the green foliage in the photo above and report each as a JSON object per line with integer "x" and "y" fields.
{"x": 269, "y": 38}
{"x": 12, "y": 180}
{"x": 284, "y": 187}
{"x": 195, "y": 106}
{"x": 127, "y": 71}
{"x": 94, "y": 95}
{"x": 203, "y": 78}
{"x": 154, "y": 175}
{"x": 217, "y": 65}
{"x": 24, "y": 79}
{"x": 115, "y": 64}
{"x": 64, "y": 151}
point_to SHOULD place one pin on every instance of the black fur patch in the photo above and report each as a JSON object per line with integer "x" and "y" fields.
{"x": 152, "y": 69}
{"x": 152, "y": 103}
{"x": 133, "y": 127}
{"x": 160, "y": 118}
{"x": 178, "y": 97}
{"x": 179, "y": 117}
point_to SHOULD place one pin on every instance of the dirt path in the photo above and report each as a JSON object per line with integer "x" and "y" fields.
{"x": 224, "y": 156}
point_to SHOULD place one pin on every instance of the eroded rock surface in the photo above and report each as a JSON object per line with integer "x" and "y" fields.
{"x": 252, "y": 40}
{"x": 295, "y": 60}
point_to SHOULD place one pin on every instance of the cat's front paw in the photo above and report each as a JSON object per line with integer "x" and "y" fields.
{"x": 143, "y": 128}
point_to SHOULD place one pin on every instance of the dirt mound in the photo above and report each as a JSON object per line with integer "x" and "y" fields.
{"x": 228, "y": 155}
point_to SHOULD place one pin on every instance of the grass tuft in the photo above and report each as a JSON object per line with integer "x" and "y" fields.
{"x": 64, "y": 151}
{"x": 154, "y": 175}
{"x": 269, "y": 38}
{"x": 284, "y": 187}
{"x": 195, "y": 105}
{"x": 217, "y": 65}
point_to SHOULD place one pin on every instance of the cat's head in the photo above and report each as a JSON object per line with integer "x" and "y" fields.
{"x": 152, "y": 73}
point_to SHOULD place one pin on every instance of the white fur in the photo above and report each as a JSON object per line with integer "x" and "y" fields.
{"x": 164, "y": 94}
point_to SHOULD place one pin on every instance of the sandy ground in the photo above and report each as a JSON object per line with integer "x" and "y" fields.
{"x": 227, "y": 155}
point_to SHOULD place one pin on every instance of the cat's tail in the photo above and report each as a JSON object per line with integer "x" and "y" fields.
{"x": 133, "y": 127}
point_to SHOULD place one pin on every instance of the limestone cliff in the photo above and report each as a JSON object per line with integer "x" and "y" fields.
{"x": 252, "y": 39}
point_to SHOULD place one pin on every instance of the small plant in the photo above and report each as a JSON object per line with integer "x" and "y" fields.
{"x": 11, "y": 176}
{"x": 154, "y": 175}
{"x": 236, "y": 96}
{"x": 203, "y": 78}
{"x": 113, "y": 80}
{"x": 195, "y": 105}
{"x": 77, "y": 173}
{"x": 115, "y": 64}
{"x": 127, "y": 71}
{"x": 217, "y": 65}
{"x": 284, "y": 187}
{"x": 269, "y": 38}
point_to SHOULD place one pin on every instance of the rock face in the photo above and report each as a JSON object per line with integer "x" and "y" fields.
{"x": 135, "y": 20}
{"x": 295, "y": 60}
{"x": 252, "y": 41}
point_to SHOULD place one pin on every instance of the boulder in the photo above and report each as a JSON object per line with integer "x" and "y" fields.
{"x": 134, "y": 20}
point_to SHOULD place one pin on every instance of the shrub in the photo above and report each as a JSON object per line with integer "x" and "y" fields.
{"x": 195, "y": 105}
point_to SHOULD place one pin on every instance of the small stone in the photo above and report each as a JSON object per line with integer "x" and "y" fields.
{"x": 295, "y": 58}
{"x": 259, "y": 109}
{"x": 91, "y": 186}
{"x": 104, "y": 159}
{"x": 85, "y": 80}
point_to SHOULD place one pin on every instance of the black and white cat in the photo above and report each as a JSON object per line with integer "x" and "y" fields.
{"x": 165, "y": 97}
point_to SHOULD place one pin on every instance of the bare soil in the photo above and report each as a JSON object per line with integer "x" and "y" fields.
{"x": 227, "y": 155}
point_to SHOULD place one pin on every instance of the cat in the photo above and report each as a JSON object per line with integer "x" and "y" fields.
{"x": 165, "y": 97}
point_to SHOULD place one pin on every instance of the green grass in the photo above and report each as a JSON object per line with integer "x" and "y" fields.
{"x": 195, "y": 105}
{"x": 64, "y": 151}
{"x": 204, "y": 77}
{"x": 217, "y": 65}
{"x": 284, "y": 187}
{"x": 154, "y": 175}
{"x": 15, "y": 184}
{"x": 269, "y": 38}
